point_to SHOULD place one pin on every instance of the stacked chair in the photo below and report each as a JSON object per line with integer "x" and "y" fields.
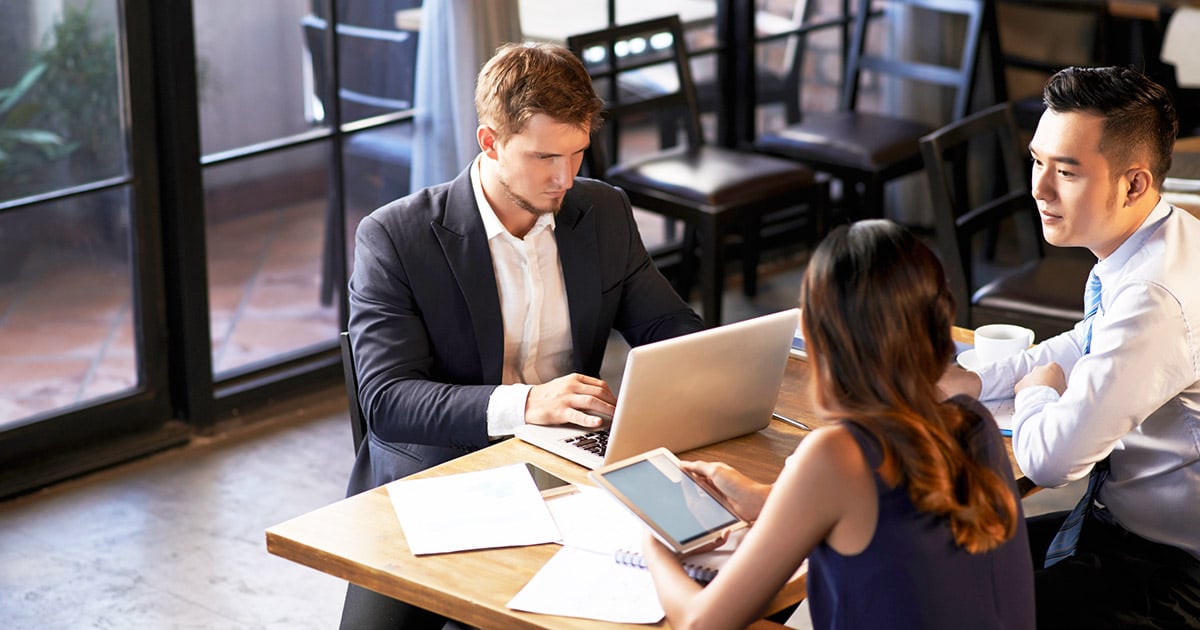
{"x": 865, "y": 150}
{"x": 714, "y": 191}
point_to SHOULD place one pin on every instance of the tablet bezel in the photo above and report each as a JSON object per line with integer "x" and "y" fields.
{"x": 598, "y": 476}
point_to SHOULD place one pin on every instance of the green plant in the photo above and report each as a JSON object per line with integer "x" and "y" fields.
{"x": 23, "y": 148}
{"x": 80, "y": 95}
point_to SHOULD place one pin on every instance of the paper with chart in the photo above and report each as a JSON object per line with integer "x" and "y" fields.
{"x": 1002, "y": 410}
{"x": 499, "y": 507}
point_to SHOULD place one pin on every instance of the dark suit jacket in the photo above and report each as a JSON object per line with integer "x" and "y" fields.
{"x": 425, "y": 319}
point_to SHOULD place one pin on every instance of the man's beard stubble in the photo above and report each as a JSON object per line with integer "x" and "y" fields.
{"x": 526, "y": 204}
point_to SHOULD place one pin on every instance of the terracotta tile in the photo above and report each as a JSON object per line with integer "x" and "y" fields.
{"x": 85, "y": 274}
{"x": 53, "y": 339}
{"x": 256, "y": 340}
{"x": 35, "y": 386}
{"x": 224, "y": 300}
{"x": 292, "y": 296}
{"x": 234, "y": 271}
{"x": 296, "y": 251}
{"x": 114, "y": 373}
{"x": 255, "y": 223}
{"x": 233, "y": 241}
{"x": 122, "y": 340}
{"x": 54, "y": 306}
{"x": 292, "y": 259}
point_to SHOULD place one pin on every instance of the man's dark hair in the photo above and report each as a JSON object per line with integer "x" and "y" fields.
{"x": 1139, "y": 114}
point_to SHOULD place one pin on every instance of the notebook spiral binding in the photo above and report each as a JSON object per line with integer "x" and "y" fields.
{"x": 701, "y": 574}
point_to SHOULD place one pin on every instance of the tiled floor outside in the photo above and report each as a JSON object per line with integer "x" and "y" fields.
{"x": 66, "y": 323}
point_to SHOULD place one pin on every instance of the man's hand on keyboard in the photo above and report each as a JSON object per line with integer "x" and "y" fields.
{"x": 575, "y": 398}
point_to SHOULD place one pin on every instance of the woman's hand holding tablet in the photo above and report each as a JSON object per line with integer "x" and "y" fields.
{"x": 682, "y": 513}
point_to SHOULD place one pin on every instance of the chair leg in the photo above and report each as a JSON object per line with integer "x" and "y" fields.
{"x": 852, "y": 202}
{"x": 991, "y": 241}
{"x": 712, "y": 263}
{"x": 818, "y": 213}
{"x": 328, "y": 255}
{"x": 685, "y": 278}
{"x": 872, "y": 204}
{"x": 670, "y": 229}
{"x": 751, "y": 252}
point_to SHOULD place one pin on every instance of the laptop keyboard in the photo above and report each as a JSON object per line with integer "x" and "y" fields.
{"x": 593, "y": 442}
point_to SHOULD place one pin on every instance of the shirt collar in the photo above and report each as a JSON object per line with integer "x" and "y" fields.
{"x": 1134, "y": 243}
{"x": 491, "y": 223}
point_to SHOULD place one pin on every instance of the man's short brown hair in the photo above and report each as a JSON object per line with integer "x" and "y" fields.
{"x": 523, "y": 80}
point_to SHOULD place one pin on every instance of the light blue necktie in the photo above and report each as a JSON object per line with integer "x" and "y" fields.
{"x": 1063, "y": 545}
{"x": 1091, "y": 303}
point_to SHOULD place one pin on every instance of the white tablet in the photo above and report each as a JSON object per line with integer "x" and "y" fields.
{"x": 681, "y": 512}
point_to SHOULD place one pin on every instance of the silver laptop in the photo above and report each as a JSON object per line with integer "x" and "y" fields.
{"x": 684, "y": 393}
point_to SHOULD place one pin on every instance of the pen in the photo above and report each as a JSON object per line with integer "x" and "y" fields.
{"x": 795, "y": 423}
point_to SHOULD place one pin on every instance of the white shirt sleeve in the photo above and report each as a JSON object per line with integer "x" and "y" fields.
{"x": 998, "y": 379}
{"x": 506, "y": 409}
{"x": 1139, "y": 361}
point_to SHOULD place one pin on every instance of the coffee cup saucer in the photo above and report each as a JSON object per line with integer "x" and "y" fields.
{"x": 969, "y": 359}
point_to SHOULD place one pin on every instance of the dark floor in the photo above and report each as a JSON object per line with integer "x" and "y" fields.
{"x": 176, "y": 540}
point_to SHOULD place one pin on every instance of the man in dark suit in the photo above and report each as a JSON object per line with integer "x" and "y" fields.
{"x": 487, "y": 302}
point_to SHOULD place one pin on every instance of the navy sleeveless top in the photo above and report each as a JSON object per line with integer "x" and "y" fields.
{"x": 912, "y": 575}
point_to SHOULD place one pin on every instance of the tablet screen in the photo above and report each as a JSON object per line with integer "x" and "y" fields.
{"x": 670, "y": 498}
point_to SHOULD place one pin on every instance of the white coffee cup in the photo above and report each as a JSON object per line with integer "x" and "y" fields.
{"x": 994, "y": 342}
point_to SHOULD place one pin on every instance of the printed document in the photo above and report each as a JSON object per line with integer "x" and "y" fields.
{"x": 500, "y": 507}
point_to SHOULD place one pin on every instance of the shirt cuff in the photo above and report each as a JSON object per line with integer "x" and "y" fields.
{"x": 506, "y": 409}
{"x": 1030, "y": 402}
{"x": 997, "y": 379}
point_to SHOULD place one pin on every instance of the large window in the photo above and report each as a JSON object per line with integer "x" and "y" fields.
{"x": 66, "y": 287}
{"x": 180, "y": 183}
{"x": 178, "y": 188}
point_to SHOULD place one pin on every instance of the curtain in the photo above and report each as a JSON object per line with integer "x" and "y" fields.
{"x": 457, "y": 37}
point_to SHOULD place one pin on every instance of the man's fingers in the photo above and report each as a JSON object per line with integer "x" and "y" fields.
{"x": 585, "y": 419}
{"x": 596, "y": 388}
{"x": 592, "y": 405}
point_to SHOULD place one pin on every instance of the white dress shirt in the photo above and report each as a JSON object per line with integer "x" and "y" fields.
{"x": 1135, "y": 398}
{"x": 533, "y": 303}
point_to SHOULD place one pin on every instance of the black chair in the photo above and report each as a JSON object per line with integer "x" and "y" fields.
{"x": 376, "y": 80}
{"x": 1040, "y": 38}
{"x": 1043, "y": 292}
{"x": 715, "y": 191}
{"x": 781, "y": 39}
{"x": 358, "y": 424}
{"x": 865, "y": 149}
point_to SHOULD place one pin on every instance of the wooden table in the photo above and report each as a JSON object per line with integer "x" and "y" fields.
{"x": 359, "y": 538}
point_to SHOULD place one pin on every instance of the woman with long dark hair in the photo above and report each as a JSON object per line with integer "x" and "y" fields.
{"x": 904, "y": 504}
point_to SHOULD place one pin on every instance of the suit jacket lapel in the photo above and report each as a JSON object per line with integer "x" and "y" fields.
{"x": 464, "y": 243}
{"x": 578, "y": 251}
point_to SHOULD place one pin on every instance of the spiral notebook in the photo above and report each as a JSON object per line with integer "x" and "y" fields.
{"x": 596, "y": 576}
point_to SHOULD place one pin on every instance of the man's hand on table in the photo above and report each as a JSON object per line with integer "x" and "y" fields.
{"x": 1050, "y": 375}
